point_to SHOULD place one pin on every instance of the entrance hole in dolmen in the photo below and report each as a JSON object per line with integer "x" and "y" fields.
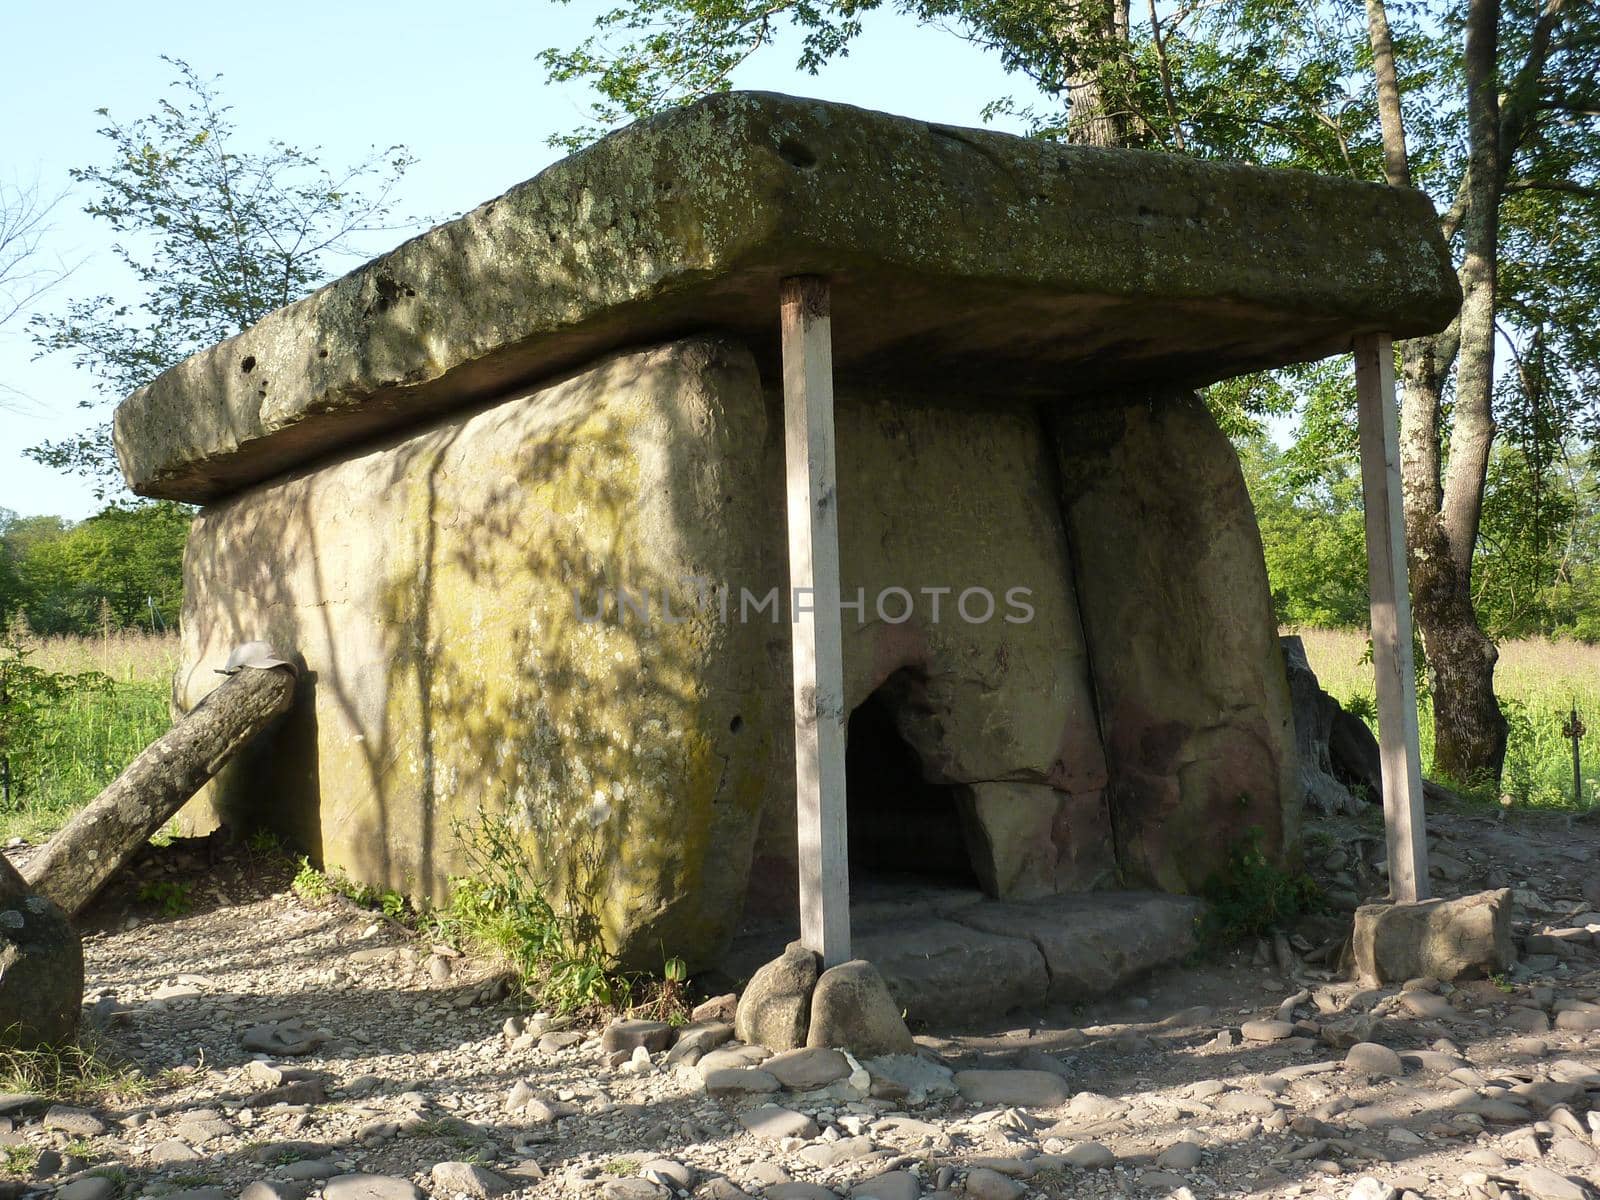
{"x": 903, "y": 826}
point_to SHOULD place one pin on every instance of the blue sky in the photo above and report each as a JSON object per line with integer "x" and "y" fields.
{"x": 459, "y": 84}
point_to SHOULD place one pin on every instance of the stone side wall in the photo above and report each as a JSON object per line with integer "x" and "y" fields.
{"x": 425, "y": 584}
{"x": 1194, "y": 703}
{"x": 957, "y": 493}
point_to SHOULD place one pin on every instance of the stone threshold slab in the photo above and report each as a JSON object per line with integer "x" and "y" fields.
{"x": 951, "y": 956}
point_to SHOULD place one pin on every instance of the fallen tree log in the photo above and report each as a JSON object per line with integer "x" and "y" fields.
{"x": 76, "y": 862}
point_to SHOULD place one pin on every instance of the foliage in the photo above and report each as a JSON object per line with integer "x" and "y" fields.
{"x": 171, "y": 896}
{"x": 28, "y": 694}
{"x": 213, "y": 236}
{"x": 502, "y": 907}
{"x": 1264, "y": 80}
{"x": 311, "y": 884}
{"x": 77, "y": 1074}
{"x": 1249, "y": 895}
{"x": 1312, "y": 533}
{"x": 122, "y": 568}
{"x": 1541, "y": 681}
{"x": 1536, "y": 570}
{"x": 314, "y": 885}
{"x": 82, "y": 737}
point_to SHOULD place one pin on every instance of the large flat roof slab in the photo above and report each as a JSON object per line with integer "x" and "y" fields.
{"x": 956, "y": 254}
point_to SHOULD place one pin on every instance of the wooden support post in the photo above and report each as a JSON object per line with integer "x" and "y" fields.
{"x": 1389, "y": 586}
{"x": 819, "y": 716}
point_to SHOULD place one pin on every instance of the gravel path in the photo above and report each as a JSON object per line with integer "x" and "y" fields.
{"x": 386, "y": 1069}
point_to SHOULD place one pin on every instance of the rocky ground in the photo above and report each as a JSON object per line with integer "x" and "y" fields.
{"x": 293, "y": 1051}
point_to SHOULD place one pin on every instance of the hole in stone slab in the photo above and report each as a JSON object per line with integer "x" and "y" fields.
{"x": 248, "y": 364}
{"x": 900, "y": 823}
{"x": 797, "y": 154}
{"x": 735, "y": 725}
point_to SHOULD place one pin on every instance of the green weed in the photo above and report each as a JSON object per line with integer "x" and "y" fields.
{"x": 314, "y": 885}
{"x": 78, "y": 1074}
{"x": 263, "y": 843}
{"x": 310, "y": 883}
{"x": 502, "y": 907}
{"x": 1250, "y": 895}
{"x": 171, "y": 896}
{"x": 19, "y": 1160}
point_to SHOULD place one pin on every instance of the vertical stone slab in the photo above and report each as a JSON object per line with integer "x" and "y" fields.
{"x": 1183, "y": 647}
{"x": 938, "y": 494}
{"x": 498, "y": 615}
{"x": 1030, "y": 840}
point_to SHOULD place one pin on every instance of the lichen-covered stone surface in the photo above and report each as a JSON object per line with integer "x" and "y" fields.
{"x": 953, "y": 252}
{"x": 450, "y": 672}
{"x": 454, "y": 597}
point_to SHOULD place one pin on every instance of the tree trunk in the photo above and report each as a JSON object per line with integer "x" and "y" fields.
{"x": 1442, "y": 510}
{"x": 1469, "y": 741}
{"x": 1098, "y": 30}
{"x": 77, "y": 861}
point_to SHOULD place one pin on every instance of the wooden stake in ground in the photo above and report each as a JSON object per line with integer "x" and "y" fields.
{"x": 1388, "y": 582}
{"x": 1574, "y": 730}
{"x": 77, "y": 861}
{"x": 819, "y": 716}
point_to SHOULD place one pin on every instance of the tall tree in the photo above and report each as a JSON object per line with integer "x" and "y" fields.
{"x": 213, "y": 236}
{"x": 1524, "y": 96}
{"x": 1489, "y": 105}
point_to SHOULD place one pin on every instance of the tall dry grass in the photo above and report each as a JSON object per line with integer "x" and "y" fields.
{"x": 125, "y": 656}
{"x": 88, "y": 736}
{"x": 1539, "y": 683}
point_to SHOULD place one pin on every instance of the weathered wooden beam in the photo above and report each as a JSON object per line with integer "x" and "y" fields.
{"x": 78, "y": 860}
{"x": 819, "y": 716}
{"x": 1390, "y": 592}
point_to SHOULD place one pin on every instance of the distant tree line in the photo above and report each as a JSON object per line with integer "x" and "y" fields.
{"x": 1536, "y": 569}
{"x": 122, "y": 568}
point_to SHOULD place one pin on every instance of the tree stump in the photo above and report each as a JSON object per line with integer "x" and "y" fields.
{"x": 76, "y": 862}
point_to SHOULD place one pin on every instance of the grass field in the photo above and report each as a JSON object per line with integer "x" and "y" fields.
{"x": 86, "y": 738}
{"x": 1538, "y": 682}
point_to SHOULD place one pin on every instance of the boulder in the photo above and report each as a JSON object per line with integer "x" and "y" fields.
{"x": 809, "y": 1068}
{"x": 1314, "y": 715}
{"x": 775, "y": 1009}
{"x": 852, "y": 1009}
{"x": 626, "y": 1034}
{"x": 41, "y": 967}
{"x": 1443, "y": 939}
